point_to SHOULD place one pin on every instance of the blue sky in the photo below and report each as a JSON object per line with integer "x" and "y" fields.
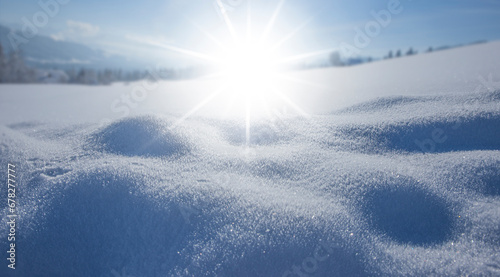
{"x": 123, "y": 26}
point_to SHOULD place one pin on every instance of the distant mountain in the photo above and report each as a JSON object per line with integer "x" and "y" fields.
{"x": 45, "y": 52}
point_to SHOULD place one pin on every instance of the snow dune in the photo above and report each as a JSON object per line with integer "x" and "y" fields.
{"x": 143, "y": 136}
{"x": 391, "y": 185}
{"x": 466, "y": 123}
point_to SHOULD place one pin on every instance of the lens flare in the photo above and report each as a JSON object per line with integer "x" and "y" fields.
{"x": 251, "y": 70}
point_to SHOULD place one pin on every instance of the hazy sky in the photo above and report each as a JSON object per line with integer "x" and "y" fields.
{"x": 132, "y": 27}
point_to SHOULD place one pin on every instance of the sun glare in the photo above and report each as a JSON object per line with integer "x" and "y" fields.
{"x": 250, "y": 70}
{"x": 246, "y": 64}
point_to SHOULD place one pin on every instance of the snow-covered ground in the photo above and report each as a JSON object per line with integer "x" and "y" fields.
{"x": 396, "y": 171}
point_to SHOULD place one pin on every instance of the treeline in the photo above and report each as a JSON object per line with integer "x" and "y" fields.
{"x": 89, "y": 76}
{"x": 336, "y": 59}
{"x": 14, "y": 70}
{"x": 107, "y": 76}
{"x": 399, "y": 54}
{"x": 411, "y": 51}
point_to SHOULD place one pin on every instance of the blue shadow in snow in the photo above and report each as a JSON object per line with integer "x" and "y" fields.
{"x": 481, "y": 132}
{"x": 409, "y": 215}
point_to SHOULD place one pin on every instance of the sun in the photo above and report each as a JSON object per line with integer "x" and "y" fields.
{"x": 247, "y": 64}
{"x": 250, "y": 70}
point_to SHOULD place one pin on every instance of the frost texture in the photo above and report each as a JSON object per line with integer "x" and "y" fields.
{"x": 402, "y": 185}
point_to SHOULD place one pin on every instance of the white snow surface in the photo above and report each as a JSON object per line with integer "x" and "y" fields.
{"x": 395, "y": 172}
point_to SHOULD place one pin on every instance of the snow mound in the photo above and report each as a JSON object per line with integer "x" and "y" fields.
{"x": 140, "y": 136}
{"x": 98, "y": 216}
{"x": 478, "y": 132}
{"x": 105, "y": 220}
{"x": 451, "y": 123}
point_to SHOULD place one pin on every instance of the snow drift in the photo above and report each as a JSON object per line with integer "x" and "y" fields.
{"x": 392, "y": 185}
{"x": 143, "y": 136}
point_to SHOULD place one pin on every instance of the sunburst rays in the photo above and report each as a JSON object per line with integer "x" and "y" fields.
{"x": 248, "y": 38}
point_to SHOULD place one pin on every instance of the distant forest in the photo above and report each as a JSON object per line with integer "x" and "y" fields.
{"x": 14, "y": 70}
